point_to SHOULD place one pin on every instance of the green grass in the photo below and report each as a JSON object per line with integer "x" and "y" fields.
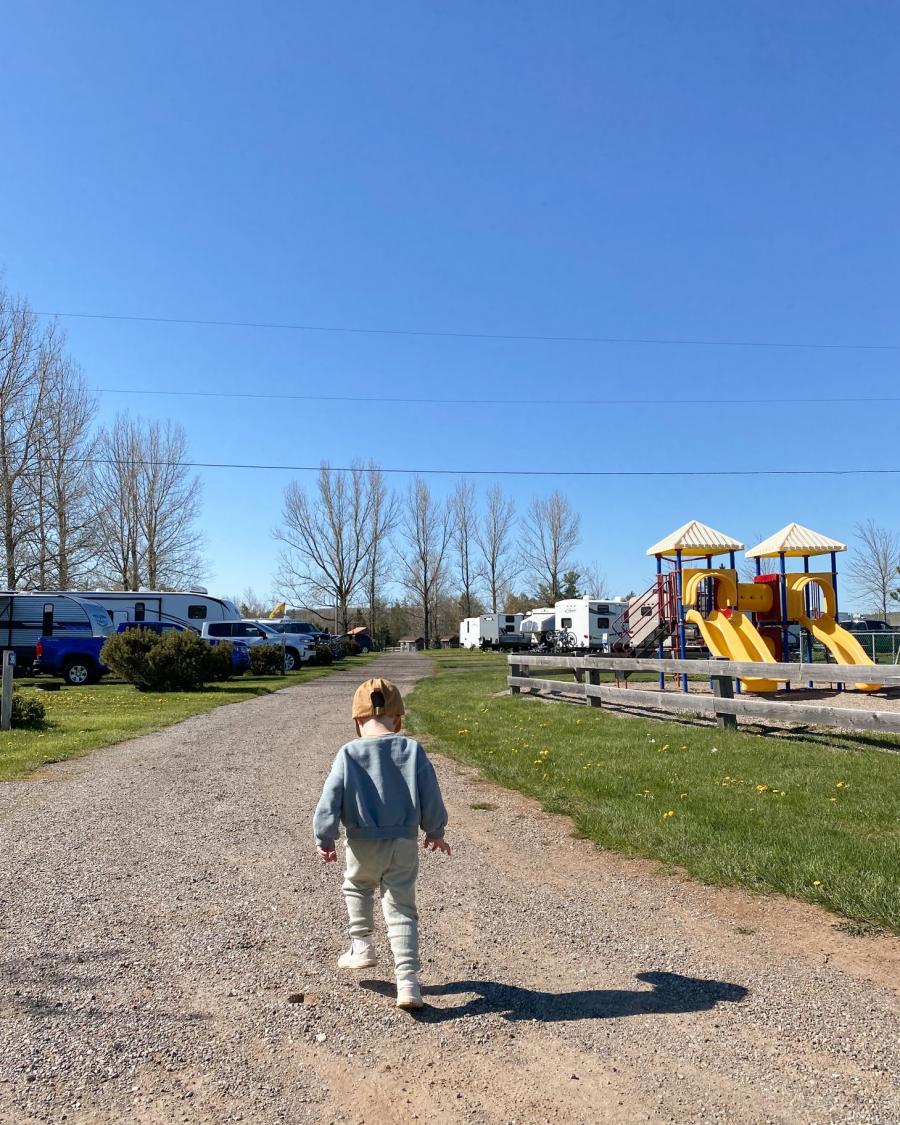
{"x": 83, "y": 719}
{"x": 815, "y": 815}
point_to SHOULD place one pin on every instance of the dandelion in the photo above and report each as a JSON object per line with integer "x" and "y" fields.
{"x": 463, "y": 731}
{"x": 762, "y": 789}
{"x": 817, "y": 882}
{"x": 841, "y": 785}
{"x": 668, "y": 814}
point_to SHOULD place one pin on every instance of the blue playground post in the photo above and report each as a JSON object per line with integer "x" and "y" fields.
{"x": 785, "y": 631}
{"x": 840, "y": 687}
{"x": 660, "y": 648}
{"x": 682, "y": 635}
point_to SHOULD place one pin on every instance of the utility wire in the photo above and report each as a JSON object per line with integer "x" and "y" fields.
{"x": 395, "y": 400}
{"x": 501, "y": 472}
{"x": 651, "y": 340}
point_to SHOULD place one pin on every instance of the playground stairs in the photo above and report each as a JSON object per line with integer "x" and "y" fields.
{"x": 652, "y": 617}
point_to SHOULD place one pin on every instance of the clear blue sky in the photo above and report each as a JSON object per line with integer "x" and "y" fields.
{"x": 704, "y": 170}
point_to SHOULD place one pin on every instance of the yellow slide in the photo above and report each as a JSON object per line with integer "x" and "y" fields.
{"x": 843, "y": 646}
{"x": 734, "y": 638}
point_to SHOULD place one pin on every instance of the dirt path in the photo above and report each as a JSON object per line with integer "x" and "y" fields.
{"x": 160, "y": 902}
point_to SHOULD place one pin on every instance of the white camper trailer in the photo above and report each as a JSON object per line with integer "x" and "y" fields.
{"x": 590, "y": 624}
{"x": 492, "y": 630}
{"x": 183, "y": 607}
{"x": 539, "y": 624}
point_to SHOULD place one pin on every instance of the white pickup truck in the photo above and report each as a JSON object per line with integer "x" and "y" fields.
{"x": 298, "y": 650}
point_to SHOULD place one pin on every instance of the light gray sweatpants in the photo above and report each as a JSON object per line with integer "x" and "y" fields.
{"x": 391, "y": 866}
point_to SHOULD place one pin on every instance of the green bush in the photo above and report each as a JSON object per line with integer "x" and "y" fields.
{"x": 27, "y": 711}
{"x": 266, "y": 660}
{"x": 125, "y": 654}
{"x": 323, "y": 654}
{"x": 171, "y": 662}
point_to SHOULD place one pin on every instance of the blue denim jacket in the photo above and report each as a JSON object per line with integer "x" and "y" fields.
{"x": 380, "y": 789}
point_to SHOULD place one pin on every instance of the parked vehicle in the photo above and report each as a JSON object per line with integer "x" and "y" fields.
{"x": 185, "y": 607}
{"x": 361, "y": 639}
{"x": 539, "y": 624}
{"x": 589, "y": 624}
{"x": 26, "y": 618}
{"x": 493, "y": 630}
{"x": 77, "y": 659}
{"x": 296, "y": 628}
{"x": 240, "y": 654}
{"x": 297, "y": 650}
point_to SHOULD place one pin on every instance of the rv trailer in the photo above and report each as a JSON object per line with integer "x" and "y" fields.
{"x": 589, "y": 624}
{"x": 183, "y": 607}
{"x": 492, "y": 630}
{"x": 539, "y": 625}
{"x": 25, "y": 618}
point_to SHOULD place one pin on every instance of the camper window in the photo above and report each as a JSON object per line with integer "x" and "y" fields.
{"x": 140, "y": 611}
{"x": 566, "y": 623}
{"x": 196, "y": 612}
{"x": 602, "y": 622}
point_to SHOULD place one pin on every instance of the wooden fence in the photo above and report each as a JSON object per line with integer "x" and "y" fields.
{"x": 722, "y": 704}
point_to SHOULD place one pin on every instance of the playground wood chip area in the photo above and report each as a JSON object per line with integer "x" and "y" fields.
{"x": 170, "y": 939}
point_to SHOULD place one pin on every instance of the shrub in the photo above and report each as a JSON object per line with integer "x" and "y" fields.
{"x": 27, "y": 711}
{"x": 265, "y": 660}
{"x": 125, "y": 654}
{"x": 220, "y": 661}
{"x": 323, "y": 654}
{"x": 172, "y": 662}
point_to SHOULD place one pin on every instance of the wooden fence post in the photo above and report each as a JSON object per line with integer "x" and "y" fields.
{"x": 9, "y": 664}
{"x": 516, "y": 670}
{"x": 594, "y": 678}
{"x": 723, "y": 688}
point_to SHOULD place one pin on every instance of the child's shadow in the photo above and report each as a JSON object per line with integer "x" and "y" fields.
{"x": 671, "y": 993}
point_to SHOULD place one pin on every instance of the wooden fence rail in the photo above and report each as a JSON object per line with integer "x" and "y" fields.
{"x": 722, "y": 704}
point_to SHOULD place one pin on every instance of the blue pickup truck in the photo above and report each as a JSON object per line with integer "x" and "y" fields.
{"x": 77, "y": 659}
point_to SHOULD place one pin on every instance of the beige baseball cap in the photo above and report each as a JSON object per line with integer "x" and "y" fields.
{"x": 375, "y": 698}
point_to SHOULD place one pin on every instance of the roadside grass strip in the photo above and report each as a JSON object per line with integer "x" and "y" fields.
{"x": 80, "y": 720}
{"x": 815, "y": 816}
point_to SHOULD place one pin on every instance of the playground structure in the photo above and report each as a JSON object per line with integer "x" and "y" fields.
{"x": 744, "y": 621}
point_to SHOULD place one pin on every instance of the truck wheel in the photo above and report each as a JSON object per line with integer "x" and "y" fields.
{"x": 78, "y": 672}
{"x": 291, "y": 659}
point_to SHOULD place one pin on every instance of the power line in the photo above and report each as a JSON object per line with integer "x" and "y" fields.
{"x": 659, "y": 341}
{"x": 500, "y": 472}
{"x": 398, "y": 400}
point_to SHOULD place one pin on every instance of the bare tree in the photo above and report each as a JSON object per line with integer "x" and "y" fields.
{"x": 594, "y": 580}
{"x": 551, "y": 531}
{"x": 874, "y": 564}
{"x": 23, "y": 360}
{"x": 64, "y": 539}
{"x": 327, "y": 538}
{"x": 168, "y": 507}
{"x": 425, "y": 527}
{"x": 464, "y": 528}
{"x": 117, "y": 453}
{"x": 148, "y": 504}
{"x": 495, "y": 544}
{"x": 383, "y": 515}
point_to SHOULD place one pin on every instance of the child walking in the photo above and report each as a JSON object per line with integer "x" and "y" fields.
{"x": 382, "y": 788}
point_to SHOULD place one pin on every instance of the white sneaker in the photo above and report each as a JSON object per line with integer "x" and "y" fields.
{"x": 360, "y": 955}
{"x": 409, "y": 994}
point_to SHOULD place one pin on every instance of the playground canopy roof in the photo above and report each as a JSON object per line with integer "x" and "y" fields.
{"x": 695, "y": 538}
{"x": 795, "y": 541}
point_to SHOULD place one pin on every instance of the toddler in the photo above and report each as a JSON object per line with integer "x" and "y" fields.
{"x": 382, "y": 788}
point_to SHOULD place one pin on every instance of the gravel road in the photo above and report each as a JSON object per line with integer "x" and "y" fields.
{"x": 169, "y": 945}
